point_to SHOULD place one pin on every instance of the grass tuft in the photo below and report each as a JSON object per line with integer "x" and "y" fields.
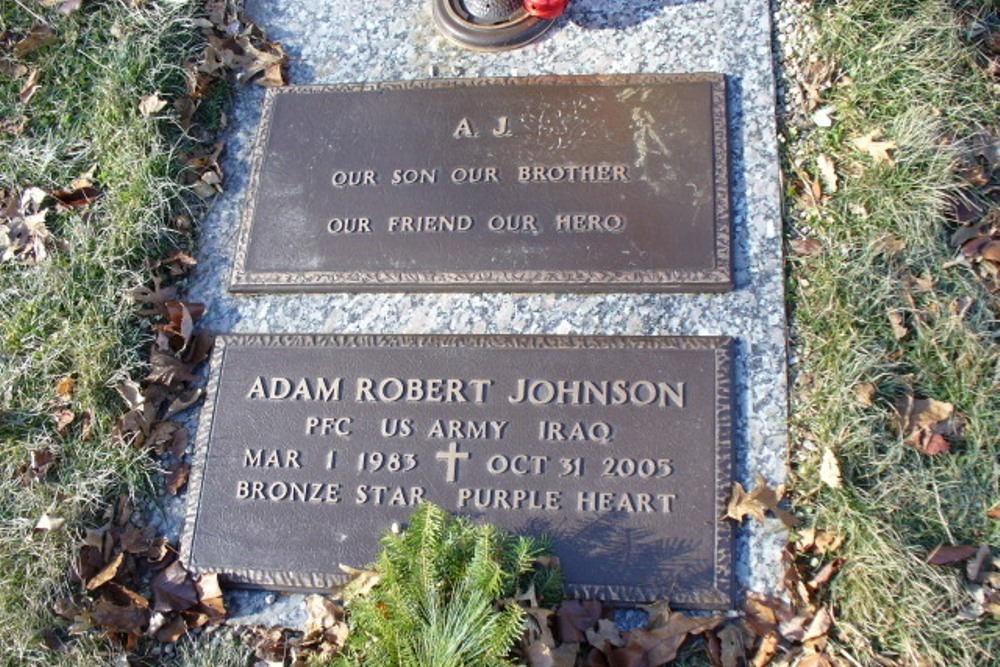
{"x": 71, "y": 315}
{"x": 906, "y": 74}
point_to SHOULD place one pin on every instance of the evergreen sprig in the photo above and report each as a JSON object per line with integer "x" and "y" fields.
{"x": 445, "y": 595}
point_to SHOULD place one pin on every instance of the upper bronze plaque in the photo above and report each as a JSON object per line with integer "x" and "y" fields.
{"x": 310, "y": 447}
{"x": 601, "y": 183}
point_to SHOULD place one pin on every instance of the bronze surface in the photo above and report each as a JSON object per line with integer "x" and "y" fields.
{"x": 599, "y": 183}
{"x": 310, "y": 447}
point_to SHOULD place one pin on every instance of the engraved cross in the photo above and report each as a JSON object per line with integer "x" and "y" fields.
{"x": 452, "y": 456}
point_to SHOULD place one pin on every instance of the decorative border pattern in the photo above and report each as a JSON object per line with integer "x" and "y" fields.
{"x": 718, "y": 279}
{"x": 721, "y": 597}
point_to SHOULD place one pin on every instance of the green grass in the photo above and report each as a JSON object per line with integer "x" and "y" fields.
{"x": 71, "y": 315}
{"x": 908, "y": 74}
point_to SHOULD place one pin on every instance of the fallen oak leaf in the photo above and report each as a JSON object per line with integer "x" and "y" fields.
{"x": 864, "y": 392}
{"x": 818, "y": 541}
{"x": 755, "y": 503}
{"x": 151, "y": 104}
{"x": 878, "y": 150}
{"x": 537, "y": 626}
{"x": 994, "y": 512}
{"x": 539, "y": 654}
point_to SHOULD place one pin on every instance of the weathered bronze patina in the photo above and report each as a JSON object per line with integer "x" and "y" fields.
{"x": 310, "y": 447}
{"x": 609, "y": 183}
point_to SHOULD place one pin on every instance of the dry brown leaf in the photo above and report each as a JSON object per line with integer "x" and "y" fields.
{"x": 878, "y": 150}
{"x": 361, "y": 583}
{"x": 755, "y": 503}
{"x": 13, "y": 125}
{"x": 176, "y": 477}
{"x": 106, "y": 574}
{"x": 865, "y": 392}
{"x": 151, "y": 104}
{"x": 653, "y": 648}
{"x": 898, "y": 321}
{"x": 49, "y": 522}
{"x": 173, "y": 589}
{"x": 64, "y": 388}
{"x": 890, "y": 244}
{"x": 959, "y": 306}
{"x": 575, "y": 617}
{"x": 734, "y": 642}
{"x": 40, "y": 35}
{"x": 605, "y": 635}
{"x": 767, "y": 649}
{"x": 806, "y": 247}
{"x": 12, "y": 70}
{"x": 829, "y": 469}
{"x": 135, "y": 540}
{"x": 30, "y": 87}
{"x": 827, "y": 172}
{"x": 825, "y": 574}
{"x": 820, "y": 541}
{"x": 172, "y": 631}
{"x": 40, "y": 460}
{"x": 823, "y": 117}
{"x": 928, "y": 425}
{"x": 25, "y": 239}
{"x": 74, "y": 198}
{"x": 762, "y": 613}
{"x": 949, "y": 555}
{"x": 994, "y": 512}
{"x": 128, "y": 619}
{"x": 819, "y": 626}
{"x": 816, "y": 660}
{"x": 184, "y": 401}
{"x": 62, "y": 417}
{"x": 325, "y": 628}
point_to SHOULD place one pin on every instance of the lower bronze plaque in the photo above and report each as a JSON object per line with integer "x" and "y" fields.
{"x": 310, "y": 447}
{"x": 582, "y": 183}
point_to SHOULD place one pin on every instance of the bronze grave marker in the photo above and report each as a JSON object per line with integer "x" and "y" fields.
{"x": 597, "y": 183}
{"x": 311, "y": 446}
